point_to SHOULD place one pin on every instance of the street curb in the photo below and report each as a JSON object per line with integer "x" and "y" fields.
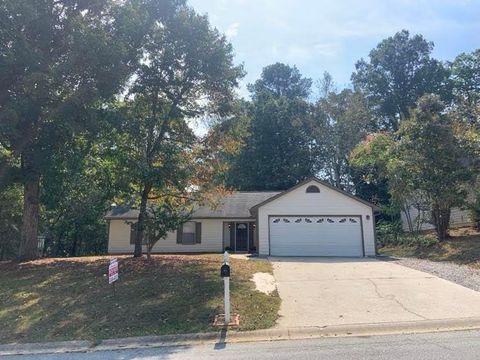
{"x": 228, "y": 336}
{"x": 46, "y": 348}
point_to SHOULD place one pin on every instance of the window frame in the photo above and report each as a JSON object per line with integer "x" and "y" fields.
{"x": 312, "y": 189}
{"x": 197, "y": 234}
{"x": 191, "y": 241}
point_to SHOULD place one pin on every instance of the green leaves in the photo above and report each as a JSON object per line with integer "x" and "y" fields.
{"x": 186, "y": 72}
{"x": 399, "y": 71}
{"x": 423, "y": 162}
{"x": 281, "y": 80}
{"x": 279, "y": 148}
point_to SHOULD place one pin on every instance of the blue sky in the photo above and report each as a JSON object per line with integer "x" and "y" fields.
{"x": 320, "y": 35}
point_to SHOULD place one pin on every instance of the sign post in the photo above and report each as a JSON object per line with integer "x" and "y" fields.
{"x": 113, "y": 273}
{"x": 226, "y": 319}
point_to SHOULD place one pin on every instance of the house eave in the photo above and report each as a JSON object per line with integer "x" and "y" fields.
{"x": 254, "y": 209}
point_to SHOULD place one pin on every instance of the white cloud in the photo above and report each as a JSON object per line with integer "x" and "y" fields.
{"x": 232, "y": 30}
{"x": 327, "y": 49}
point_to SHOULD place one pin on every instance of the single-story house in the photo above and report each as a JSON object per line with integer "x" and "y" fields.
{"x": 312, "y": 218}
{"x": 419, "y": 215}
{"x": 421, "y": 219}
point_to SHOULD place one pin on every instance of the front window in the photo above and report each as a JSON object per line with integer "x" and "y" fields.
{"x": 188, "y": 234}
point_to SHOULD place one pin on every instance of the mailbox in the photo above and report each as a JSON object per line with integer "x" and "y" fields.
{"x": 225, "y": 271}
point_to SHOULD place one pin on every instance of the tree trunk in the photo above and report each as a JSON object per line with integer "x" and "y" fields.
{"x": 336, "y": 171}
{"x": 73, "y": 250}
{"x": 29, "y": 243}
{"x": 441, "y": 220}
{"x": 149, "y": 252}
{"x": 405, "y": 208}
{"x": 141, "y": 221}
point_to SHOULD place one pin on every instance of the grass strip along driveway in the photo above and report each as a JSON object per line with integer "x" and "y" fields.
{"x": 65, "y": 299}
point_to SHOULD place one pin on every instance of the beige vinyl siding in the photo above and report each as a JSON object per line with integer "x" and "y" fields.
{"x": 212, "y": 237}
{"x": 327, "y": 202}
{"x": 458, "y": 218}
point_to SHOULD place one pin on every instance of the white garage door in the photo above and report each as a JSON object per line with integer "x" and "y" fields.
{"x": 315, "y": 236}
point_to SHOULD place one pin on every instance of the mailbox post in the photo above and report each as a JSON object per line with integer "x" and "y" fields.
{"x": 225, "y": 274}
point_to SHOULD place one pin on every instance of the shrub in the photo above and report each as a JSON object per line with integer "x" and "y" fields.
{"x": 389, "y": 233}
{"x": 392, "y": 234}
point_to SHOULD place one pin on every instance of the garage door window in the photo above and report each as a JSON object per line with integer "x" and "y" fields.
{"x": 313, "y": 220}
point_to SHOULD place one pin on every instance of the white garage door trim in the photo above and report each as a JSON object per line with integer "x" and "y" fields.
{"x": 320, "y": 216}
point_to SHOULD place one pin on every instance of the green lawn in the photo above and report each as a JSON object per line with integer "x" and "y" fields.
{"x": 463, "y": 247}
{"x": 62, "y": 299}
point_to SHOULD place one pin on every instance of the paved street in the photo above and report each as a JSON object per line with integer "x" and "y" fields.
{"x": 435, "y": 346}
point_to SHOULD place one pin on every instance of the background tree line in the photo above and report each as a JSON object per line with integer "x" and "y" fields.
{"x": 99, "y": 100}
{"x": 405, "y": 134}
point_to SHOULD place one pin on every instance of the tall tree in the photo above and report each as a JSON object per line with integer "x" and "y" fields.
{"x": 400, "y": 70}
{"x": 280, "y": 148}
{"x": 281, "y": 80}
{"x": 77, "y": 189}
{"x": 342, "y": 120}
{"x": 466, "y": 80}
{"x": 466, "y": 106}
{"x": 60, "y": 59}
{"x": 187, "y": 72}
{"x": 423, "y": 162}
{"x": 429, "y": 156}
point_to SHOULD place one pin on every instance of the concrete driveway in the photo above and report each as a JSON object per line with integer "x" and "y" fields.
{"x": 337, "y": 291}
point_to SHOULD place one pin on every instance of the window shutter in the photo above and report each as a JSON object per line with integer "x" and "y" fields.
{"x": 133, "y": 233}
{"x": 198, "y": 232}
{"x": 232, "y": 236}
{"x": 179, "y": 234}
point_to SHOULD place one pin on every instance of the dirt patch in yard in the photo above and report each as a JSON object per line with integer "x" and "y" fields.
{"x": 264, "y": 282}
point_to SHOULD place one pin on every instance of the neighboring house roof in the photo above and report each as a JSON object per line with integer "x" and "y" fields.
{"x": 235, "y": 205}
{"x": 313, "y": 178}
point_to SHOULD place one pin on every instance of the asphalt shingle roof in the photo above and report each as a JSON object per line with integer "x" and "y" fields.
{"x": 235, "y": 205}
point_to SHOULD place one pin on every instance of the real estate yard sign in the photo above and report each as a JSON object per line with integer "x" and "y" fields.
{"x": 113, "y": 271}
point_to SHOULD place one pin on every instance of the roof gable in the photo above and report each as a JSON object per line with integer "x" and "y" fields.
{"x": 320, "y": 182}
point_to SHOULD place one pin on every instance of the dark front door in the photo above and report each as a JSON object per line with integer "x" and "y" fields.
{"x": 241, "y": 232}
